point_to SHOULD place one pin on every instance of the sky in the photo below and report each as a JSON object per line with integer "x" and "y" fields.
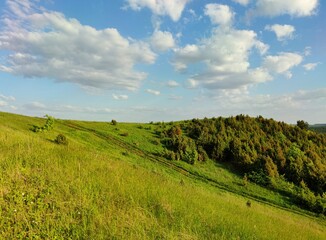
{"x": 163, "y": 60}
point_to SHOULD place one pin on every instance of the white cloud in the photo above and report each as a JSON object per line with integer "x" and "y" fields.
{"x": 120, "y": 97}
{"x": 175, "y": 97}
{"x": 192, "y": 12}
{"x": 242, "y": 2}
{"x": 219, "y": 14}
{"x": 54, "y": 109}
{"x": 310, "y": 66}
{"x": 262, "y": 47}
{"x": 297, "y": 8}
{"x": 283, "y": 32}
{"x": 191, "y": 53}
{"x": 307, "y": 51}
{"x": 20, "y": 8}
{"x": 284, "y": 107}
{"x": 282, "y": 63}
{"x": 77, "y": 109}
{"x": 7, "y": 98}
{"x": 191, "y": 83}
{"x": 309, "y": 95}
{"x": 35, "y": 106}
{"x": 226, "y": 57}
{"x": 154, "y": 92}
{"x": 162, "y": 41}
{"x": 172, "y": 84}
{"x": 48, "y": 45}
{"x": 229, "y": 80}
{"x": 3, "y": 104}
{"x": 173, "y": 9}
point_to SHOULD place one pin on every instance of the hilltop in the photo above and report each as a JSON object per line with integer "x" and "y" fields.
{"x": 69, "y": 179}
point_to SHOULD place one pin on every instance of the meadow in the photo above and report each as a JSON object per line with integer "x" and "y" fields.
{"x": 109, "y": 182}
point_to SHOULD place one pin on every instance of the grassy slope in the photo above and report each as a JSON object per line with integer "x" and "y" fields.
{"x": 104, "y": 185}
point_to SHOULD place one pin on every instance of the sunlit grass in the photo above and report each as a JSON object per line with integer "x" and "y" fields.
{"x": 94, "y": 189}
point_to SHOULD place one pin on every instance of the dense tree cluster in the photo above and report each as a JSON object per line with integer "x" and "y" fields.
{"x": 263, "y": 149}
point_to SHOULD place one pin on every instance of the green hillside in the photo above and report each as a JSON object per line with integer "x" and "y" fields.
{"x": 285, "y": 158}
{"x": 116, "y": 181}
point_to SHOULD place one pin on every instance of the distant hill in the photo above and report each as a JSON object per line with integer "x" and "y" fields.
{"x": 321, "y": 128}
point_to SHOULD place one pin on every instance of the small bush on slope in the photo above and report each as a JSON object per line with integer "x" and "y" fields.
{"x": 61, "y": 139}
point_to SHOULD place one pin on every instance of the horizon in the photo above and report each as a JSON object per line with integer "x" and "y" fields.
{"x": 154, "y": 122}
{"x": 143, "y": 60}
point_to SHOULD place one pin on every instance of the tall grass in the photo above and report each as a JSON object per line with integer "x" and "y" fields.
{"x": 90, "y": 190}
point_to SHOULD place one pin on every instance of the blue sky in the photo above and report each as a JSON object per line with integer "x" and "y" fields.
{"x": 163, "y": 60}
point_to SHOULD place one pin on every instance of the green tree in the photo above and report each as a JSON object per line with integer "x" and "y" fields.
{"x": 302, "y": 124}
{"x": 47, "y": 126}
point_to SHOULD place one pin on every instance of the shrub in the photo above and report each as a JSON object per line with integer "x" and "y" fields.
{"x": 114, "y": 122}
{"x": 47, "y": 126}
{"x": 125, "y": 153}
{"x": 245, "y": 180}
{"x": 202, "y": 155}
{"x": 49, "y": 123}
{"x": 61, "y": 139}
{"x": 36, "y": 129}
{"x": 259, "y": 177}
{"x": 125, "y": 134}
{"x": 174, "y": 131}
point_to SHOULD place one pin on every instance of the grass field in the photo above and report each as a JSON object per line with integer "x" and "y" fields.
{"x": 106, "y": 185}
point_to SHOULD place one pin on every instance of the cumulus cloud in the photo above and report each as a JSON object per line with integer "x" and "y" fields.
{"x": 282, "y": 63}
{"x": 154, "y": 92}
{"x": 162, "y": 41}
{"x": 45, "y": 44}
{"x": 219, "y": 14}
{"x": 283, "y": 32}
{"x": 226, "y": 57}
{"x": 242, "y": 2}
{"x": 172, "y": 84}
{"x": 297, "y": 8}
{"x": 173, "y": 9}
{"x": 310, "y": 66}
{"x": 120, "y": 97}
